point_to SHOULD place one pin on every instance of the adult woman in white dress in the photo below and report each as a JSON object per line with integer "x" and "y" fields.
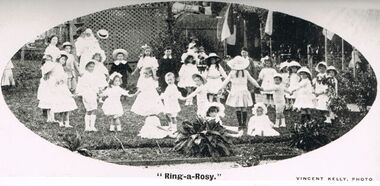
{"x": 86, "y": 46}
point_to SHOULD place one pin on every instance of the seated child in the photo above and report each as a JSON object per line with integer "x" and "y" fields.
{"x": 259, "y": 124}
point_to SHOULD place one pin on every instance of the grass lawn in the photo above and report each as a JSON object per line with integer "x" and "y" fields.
{"x": 22, "y": 101}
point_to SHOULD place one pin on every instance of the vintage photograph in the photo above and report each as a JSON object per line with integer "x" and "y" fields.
{"x": 189, "y": 82}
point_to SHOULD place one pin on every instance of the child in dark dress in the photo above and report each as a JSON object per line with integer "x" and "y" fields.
{"x": 165, "y": 65}
{"x": 121, "y": 66}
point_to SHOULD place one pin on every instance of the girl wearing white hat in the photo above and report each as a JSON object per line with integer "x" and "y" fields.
{"x": 200, "y": 92}
{"x": 186, "y": 72}
{"x": 304, "y": 96}
{"x": 294, "y": 78}
{"x": 214, "y": 74}
{"x": 266, "y": 77}
{"x": 333, "y": 89}
{"x": 63, "y": 101}
{"x": 146, "y": 61}
{"x": 112, "y": 105}
{"x": 320, "y": 88}
{"x": 279, "y": 90}
{"x": 239, "y": 96}
{"x": 71, "y": 67}
{"x": 259, "y": 124}
{"x": 45, "y": 95}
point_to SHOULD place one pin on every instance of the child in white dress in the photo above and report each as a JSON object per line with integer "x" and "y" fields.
{"x": 304, "y": 94}
{"x": 148, "y": 101}
{"x": 283, "y": 69}
{"x": 294, "y": 78}
{"x": 266, "y": 77}
{"x": 279, "y": 100}
{"x": 259, "y": 124}
{"x": 71, "y": 67}
{"x": 7, "y": 79}
{"x": 170, "y": 98}
{"x": 63, "y": 99}
{"x": 188, "y": 69}
{"x": 214, "y": 74}
{"x": 201, "y": 93}
{"x": 112, "y": 105}
{"x": 100, "y": 70}
{"x": 89, "y": 88}
{"x": 320, "y": 89}
{"x": 333, "y": 89}
{"x": 239, "y": 96}
{"x": 147, "y": 60}
{"x": 45, "y": 94}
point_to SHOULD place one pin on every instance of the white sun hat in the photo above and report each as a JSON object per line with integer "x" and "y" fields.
{"x": 238, "y": 63}
{"x": 102, "y": 34}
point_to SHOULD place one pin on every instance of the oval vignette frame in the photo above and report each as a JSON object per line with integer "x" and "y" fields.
{"x": 115, "y": 143}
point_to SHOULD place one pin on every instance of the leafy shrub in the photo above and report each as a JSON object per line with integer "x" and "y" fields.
{"x": 203, "y": 138}
{"x": 361, "y": 90}
{"x": 311, "y": 134}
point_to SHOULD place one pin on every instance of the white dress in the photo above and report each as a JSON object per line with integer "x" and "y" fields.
{"x": 239, "y": 95}
{"x": 261, "y": 125}
{"x": 88, "y": 87}
{"x": 7, "y": 78}
{"x": 142, "y": 64}
{"x": 186, "y": 75}
{"x": 101, "y": 73}
{"x": 112, "y": 104}
{"x": 45, "y": 93}
{"x": 304, "y": 95}
{"x": 202, "y": 101}
{"x": 63, "y": 99}
{"x": 266, "y": 75}
{"x": 214, "y": 78}
{"x": 293, "y": 82}
{"x": 323, "y": 98}
{"x": 170, "y": 97}
{"x": 53, "y": 51}
{"x": 152, "y": 130}
{"x": 148, "y": 102}
{"x": 85, "y": 49}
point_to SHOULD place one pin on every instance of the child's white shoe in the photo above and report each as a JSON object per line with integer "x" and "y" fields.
{"x": 277, "y": 125}
{"x": 112, "y": 128}
{"x": 60, "y": 123}
{"x": 118, "y": 128}
{"x": 67, "y": 124}
{"x": 283, "y": 124}
{"x": 328, "y": 120}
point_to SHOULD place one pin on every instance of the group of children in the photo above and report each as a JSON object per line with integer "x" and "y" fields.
{"x": 64, "y": 77}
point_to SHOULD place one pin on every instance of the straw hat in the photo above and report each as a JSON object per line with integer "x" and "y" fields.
{"x": 117, "y": 51}
{"x": 257, "y": 105}
{"x": 66, "y": 44}
{"x": 294, "y": 64}
{"x": 199, "y": 76}
{"x": 212, "y": 55}
{"x": 217, "y": 105}
{"x": 102, "y": 34}
{"x": 63, "y": 53}
{"x": 305, "y": 70}
{"x": 186, "y": 55}
{"x": 114, "y": 74}
{"x": 277, "y": 75}
{"x": 238, "y": 63}
{"x": 320, "y": 63}
{"x": 332, "y": 68}
{"x": 283, "y": 65}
